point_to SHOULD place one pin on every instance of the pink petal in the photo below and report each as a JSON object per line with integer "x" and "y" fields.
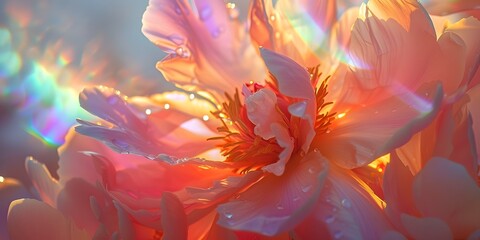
{"x": 285, "y": 141}
{"x": 468, "y": 29}
{"x": 434, "y": 187}
{"x": 439, "y": 7}
{"x": 277, "y": 204}
{"x": 474, "y": 110}
{"x": 357, "y": 138}
{"x": 168, "y": 131}
{"x": 174, "y": 220}
{"x": 139, "y": 189}
{"x": 74, "y": 201}
{"x": 397, "y": 189}
{"x": 426, "y": 228}
{"x": 384, "y": 40}
{"x": 31, "y": 219}
{"x": 346, "y": 209}
{"x": 47, "y": 186}
{"x": 209, "y": 50}
{"x": 262, "y": 111}
{"x": 294, "y": 81}
{"x": 454, "y": 137}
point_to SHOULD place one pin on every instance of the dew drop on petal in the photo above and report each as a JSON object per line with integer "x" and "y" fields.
{"x": 329, "y": 219}
{"x": 205, "y": 13}
{"x": 346, "y": 203}
{"x": 120, "y": 143}
{"x": 311, "y": 170}
{"x": 338, "y": 234}
{"x": 296, "y": 198}
{"x": 112, "y": 99}
{"x": 228, "y": 215}
{"x": 178, "y": 10}
{"x": 280, "y": 206}
{"x": 306, "y": 188}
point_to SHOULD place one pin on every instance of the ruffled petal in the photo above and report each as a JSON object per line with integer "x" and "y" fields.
{"x": 468, "y": 29}
{"x": 138, "y": 189}
{"x": 277, "y": 204}
{"x": 294, "y": 81}
{"x": 43, "y": 222}
{"x": 384, "y": 40}
{"x": 439, "y": 7}
{"x": 262, "y": 111}
{"x": 433, "y": 189}
{"x": 357, "y": 138}
{"x": 209, "y": 48}
{"x": 164, "y": 132}
{"x": 346, "y": 209}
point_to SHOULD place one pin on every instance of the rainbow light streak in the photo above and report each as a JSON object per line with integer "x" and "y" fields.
{"x": 307, "y": 29}
{"x": 419, "y": 103}
{"x": 311, "y": 33}
{"x": 49, "y": 109}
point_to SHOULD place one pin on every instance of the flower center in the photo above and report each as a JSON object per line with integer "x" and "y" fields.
{"x": 240, "y": 143}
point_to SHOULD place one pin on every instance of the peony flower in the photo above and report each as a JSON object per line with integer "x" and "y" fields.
{"x": 265, "y": 144}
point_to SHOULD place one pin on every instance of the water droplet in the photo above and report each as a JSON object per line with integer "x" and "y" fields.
{"x": 280, "y": 206}
{"x": 228, "y": 215}
{"x": 329, "y": 219}
{"x": 120, "y": 143}
{"x": 296, "y": 198}
{"x": 151, "y": 157}
{"x": 338, "y": 234}
{"x": 311, "y": 170}
{"x": 328, "y": 130}
{"x": 205, "y": 13}
{"x": 306, "y": 188}
{"x": 273, "y": 18}
{"x": 316, "y": 150}
{"x": 178, "y": 10}
{"x": 148, "y": 111}
{"x": 2, "y": 179}
{"x": 182, "y": 52}
{"x": 113, "y": 99}
{"x": 346, "y": 203}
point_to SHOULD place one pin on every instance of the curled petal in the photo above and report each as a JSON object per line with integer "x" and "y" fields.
{"x": 209, "y": 50}
{"x": 294, "y": 81}
{"x": 277, "y": 204}
{"x": 262, "y": 111}
{"x": 167, "y": 132}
